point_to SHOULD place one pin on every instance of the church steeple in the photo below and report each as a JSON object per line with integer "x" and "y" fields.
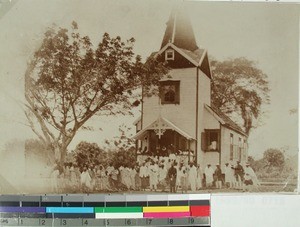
{"x": 179, "y": 31}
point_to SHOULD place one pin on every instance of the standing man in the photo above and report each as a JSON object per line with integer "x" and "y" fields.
{"x": 172, "y": 175}
{"x": 218, "y": 175}
{"x": 239, "y": 174}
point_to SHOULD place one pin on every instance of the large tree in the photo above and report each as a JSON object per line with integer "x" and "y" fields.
{"x": 239, "y": 89}
{"x": 274, "y": 158}
{"x": 68, "y": 81}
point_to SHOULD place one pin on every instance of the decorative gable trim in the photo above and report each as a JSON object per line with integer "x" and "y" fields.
{"x": 177, "y": 50}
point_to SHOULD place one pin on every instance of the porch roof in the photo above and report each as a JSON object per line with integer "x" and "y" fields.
{"x": 162, "y": 124}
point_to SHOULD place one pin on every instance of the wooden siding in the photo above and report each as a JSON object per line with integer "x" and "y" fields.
{"x": 183, "y": 114}
{"x": 225, "y": 144}
{"x": 204, "y": 98}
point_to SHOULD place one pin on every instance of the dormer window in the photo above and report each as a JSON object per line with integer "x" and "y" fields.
{"x": 169, "y": 54}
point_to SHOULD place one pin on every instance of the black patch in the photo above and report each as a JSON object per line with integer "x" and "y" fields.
{"x": 72, "y": 204}
{"x": 51, "y": 204}
{"x": 115, "y": 204}
{"x": 136, "y": 204}
{"x": 179, "y": 203}
{"x": 93, "y": 204}
{"x": 30, "y": 204}
{"x": 158, "y": 203}
{"x": 199, "y": 202}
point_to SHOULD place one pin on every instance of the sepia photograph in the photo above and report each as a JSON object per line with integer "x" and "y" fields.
{"x": 152, "y": 96}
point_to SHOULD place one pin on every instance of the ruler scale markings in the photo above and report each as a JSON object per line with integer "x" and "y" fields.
{"x": 100, "y": 210}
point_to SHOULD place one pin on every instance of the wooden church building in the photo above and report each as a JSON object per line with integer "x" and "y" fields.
{"x": 181, "y": 119}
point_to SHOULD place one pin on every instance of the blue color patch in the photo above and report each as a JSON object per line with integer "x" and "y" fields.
{"x": 70, "y": 210}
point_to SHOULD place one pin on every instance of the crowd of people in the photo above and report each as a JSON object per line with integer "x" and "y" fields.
{"x": 154, "y": 173}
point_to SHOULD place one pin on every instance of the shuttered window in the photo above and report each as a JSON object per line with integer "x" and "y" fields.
{"x": 210, "y": 140}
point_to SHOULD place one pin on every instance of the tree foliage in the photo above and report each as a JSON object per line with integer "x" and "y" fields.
{"x": 122, "y": 148}
{"x": 239, "y": 89}
{"x": 89, "y": 154}
{"x": 68, "y": 81}
{"x": 120, "y": 151}
{"x": 274, "y": 158}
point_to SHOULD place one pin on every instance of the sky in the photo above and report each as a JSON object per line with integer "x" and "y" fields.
{"x": 267, "y": 33}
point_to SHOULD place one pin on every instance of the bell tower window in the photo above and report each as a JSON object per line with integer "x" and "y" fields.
{"x": 169, "y": 92}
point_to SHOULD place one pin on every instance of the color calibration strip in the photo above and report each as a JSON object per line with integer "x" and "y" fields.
{"x": 112, "y": 210}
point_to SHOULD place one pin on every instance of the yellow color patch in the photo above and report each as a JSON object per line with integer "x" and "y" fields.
{"x": 166, "y": 209}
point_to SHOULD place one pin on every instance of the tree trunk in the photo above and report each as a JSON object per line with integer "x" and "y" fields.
{"x": 63, "y": 153}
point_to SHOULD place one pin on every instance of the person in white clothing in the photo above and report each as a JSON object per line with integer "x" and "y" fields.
{"x": 143, "y": 175}
{"x": 209, "y": 175}
{"x": 85, "y": 179}
{"x": 192, "y": 176}
{"x": 153, "y": 175}
{"x": 127, "y": 179}
{"x": 162, "y": 175}
{"x": 228, "y": 176}
{"x": 132, "y": 173}
{"x": 199, "y": 177}
{"x": 250, "y": 178}
{"x": 109, "y": 169}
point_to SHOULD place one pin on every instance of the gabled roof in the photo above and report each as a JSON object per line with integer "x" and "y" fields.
{"x": 224, "y": 119}
{"x": 179, "y": 31}
{"x": 162, "y": 123}
{"x": 196, "y": 57}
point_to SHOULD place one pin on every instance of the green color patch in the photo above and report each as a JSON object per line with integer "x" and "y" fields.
{"x": 99, "y": 209}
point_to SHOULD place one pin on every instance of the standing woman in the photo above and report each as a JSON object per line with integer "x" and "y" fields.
{"x": 192, "y": 177}
{"x": 67, "y": 176}
{"x": 137, "y": 178}
{"x": 209, "y": 172}
{"x": 183, "y": 179}
{"x": 143, "y": 176}
{"x": 132, "y": 177}
{"x": 199, "y": 177}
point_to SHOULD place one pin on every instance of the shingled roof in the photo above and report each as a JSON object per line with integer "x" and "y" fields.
{"x": 196, "y": 55}
{"x": 179, "y": 31}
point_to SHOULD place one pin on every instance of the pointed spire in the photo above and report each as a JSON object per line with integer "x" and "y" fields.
{"x": 179, "y": 31}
